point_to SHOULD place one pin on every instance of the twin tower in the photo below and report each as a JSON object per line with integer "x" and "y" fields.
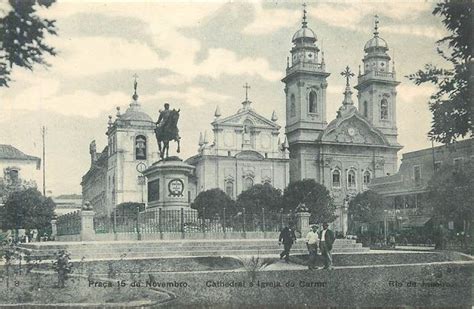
{"x": 306, "y": 86}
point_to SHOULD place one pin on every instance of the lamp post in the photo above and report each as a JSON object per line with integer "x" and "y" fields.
{"x": 385, "y": 224}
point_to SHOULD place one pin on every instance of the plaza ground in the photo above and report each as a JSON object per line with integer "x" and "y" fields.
{"x": 376, "y": 278}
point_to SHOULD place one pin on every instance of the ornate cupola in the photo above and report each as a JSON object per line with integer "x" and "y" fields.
{"x": 376, "y": 58}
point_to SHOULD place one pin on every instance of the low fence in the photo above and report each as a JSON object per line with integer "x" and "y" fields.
{"x": 188, "y": 221}
{"x": 69, "y": 224}
{"x": 172, "y": 224}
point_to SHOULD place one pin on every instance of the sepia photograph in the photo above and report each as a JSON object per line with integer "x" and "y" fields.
{"x": 236, "y": 154}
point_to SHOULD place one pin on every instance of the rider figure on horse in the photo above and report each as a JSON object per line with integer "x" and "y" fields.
{"x": 167, "y": 130}
{"x": 164, "y": 115}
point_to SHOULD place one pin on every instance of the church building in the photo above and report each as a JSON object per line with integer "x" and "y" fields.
{"x": 246, "y": 151}
{"x": 115, "y": 175}
{"x": 361, "y": 143}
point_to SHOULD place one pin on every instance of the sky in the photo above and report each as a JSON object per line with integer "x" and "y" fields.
{"x": 197, "y": 55}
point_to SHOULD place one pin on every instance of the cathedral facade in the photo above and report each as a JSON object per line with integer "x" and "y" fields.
{"x": 246, "y": 151}
{"x": 361, "y": 143}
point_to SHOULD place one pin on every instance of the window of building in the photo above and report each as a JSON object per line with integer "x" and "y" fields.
{"x": 366, "y": 109}
{"x": 366, "y": 178}
{"x": 437, "y": 166}
{"x": 248, "y": 183}
{"x": 417, "y": 173}
{"x": 140, "y": 147}
{"x": 351, "y": 179}
{"x": 312, "y": 102}
{"x": 229, "y": 188}
{"x": 336, "y": 178}
{"x": 292, "y": 106}
{"x": 384, "y": 109}
{"x": 13, "y": 174}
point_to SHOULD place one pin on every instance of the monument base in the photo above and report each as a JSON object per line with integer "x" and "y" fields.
{"x": 168, "y": 184}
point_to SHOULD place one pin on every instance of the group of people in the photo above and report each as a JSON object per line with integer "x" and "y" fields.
{"x": 322, "y": 239}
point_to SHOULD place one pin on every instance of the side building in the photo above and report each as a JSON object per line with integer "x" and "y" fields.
{"x": 405, "y": 191}
{"x": 246, "y": 151}
{"x": 18, "y": 170}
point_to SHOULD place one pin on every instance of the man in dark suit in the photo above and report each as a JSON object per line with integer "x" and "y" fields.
{"x": 287, "y": 237}
{"x": 326, "y": 239}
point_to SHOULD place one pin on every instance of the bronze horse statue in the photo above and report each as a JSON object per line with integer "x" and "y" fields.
{"x": 166, "y": 132}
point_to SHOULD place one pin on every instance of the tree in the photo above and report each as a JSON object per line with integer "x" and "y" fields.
{"x": 450, "y": 194}
{"x": 315, "y": 197}
{"x": 364, "y": 207}
{"x": 260, "y": 196}
{"x": 451, "y": 104}
{"x": 22, "y": 37}
{"x": 28, "y": 209}
{"x": 211, "y": 202}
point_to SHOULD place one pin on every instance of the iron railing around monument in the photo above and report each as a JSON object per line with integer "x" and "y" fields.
{"x": 185, "y": 221}
{"x": 69, "y": 224}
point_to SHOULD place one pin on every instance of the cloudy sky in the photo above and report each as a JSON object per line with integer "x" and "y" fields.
{"x": 197, "y": 55}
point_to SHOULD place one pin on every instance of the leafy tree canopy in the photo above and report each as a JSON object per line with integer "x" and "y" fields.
{"x": 22, "y": 36}
{"x": 315, "y": 197}
{"x": 364, "y": 206}
{"x": 451, "y": 104}
{"x": 27, "y": 209}
{"x": 450, "y": 192}
{"x": 260, "y": 196}
{"x": 211, "y": 202}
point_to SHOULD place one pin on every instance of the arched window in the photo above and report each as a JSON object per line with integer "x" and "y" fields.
{"x": 351, "y": 179}
{"x": 366, "y": 109}
{"x": 248, "y": 183}
{"x": 366, "y": 178}
{"x": 312, "y": 102}
{"x": 336, "y": 178}
{"x": 229, "y": 188}
{"x": 292, "y": 106}
{"x": 384, "y": 109}
{"x": 140, "y": 147}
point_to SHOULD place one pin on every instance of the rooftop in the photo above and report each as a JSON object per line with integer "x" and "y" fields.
{"x": 10, "y": 152}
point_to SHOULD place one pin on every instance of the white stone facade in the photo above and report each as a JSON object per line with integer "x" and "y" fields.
{"x": 246, "y": 150}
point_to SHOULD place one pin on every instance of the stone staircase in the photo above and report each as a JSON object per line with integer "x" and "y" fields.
{"x": 176, "y": 248}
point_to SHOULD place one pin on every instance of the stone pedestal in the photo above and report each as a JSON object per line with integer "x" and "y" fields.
{"x": 54, "y": 229}
{"x": 168, "y": 184}
{"x": 87, "y": 225}
{"x": 302, "y": 223}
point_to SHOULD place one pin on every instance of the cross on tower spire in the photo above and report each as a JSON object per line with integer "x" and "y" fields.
{"x": 376, "y": 25}
{"x": 347, "y": 74}
{"x": 247, "y": 87}
{"x": 304, "y": 15}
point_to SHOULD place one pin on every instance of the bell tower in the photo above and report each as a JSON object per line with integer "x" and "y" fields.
{"x": 305, "y": 87}
{"x": 377, "y": 86}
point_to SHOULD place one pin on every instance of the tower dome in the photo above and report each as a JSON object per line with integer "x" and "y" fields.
{"x": 135, "y": 112}
{"x": 376, "y": 43}
{"x": 305, "y": 33}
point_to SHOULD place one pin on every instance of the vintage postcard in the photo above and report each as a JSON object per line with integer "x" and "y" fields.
{"x": 194, "y": 154}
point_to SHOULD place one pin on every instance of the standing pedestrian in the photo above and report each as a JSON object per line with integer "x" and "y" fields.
{"x": 287, "y": 237}
{"x": 312, "y": 240}
{"x": 326, "y": 239}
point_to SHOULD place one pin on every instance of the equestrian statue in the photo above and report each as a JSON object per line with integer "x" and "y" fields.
{"x": 167, "y": 130}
